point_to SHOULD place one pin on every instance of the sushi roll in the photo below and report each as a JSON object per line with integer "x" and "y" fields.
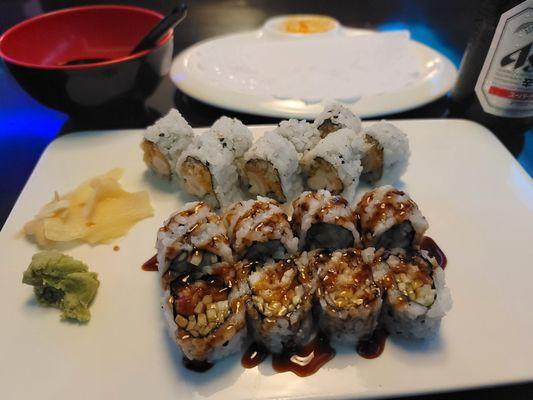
{"x": 303, "y": 135}
{"x": 208, "y": 166}
{"x": 386, "y": 148}
{"x": 271, "y": 168}
{"x": 192, "y": 237}
{"x": 280, "y": 310}
{"x": 349, "y": 301}
{"x": 324, "y": 221}
{"x": 164, "y": 142}
{"x": 233, "y": 134}
{"x": 334, "y": 164}
{"x": 260, "y": 230}
{"x": 389, "y": 218}
{"x": 205, "y": 310}
{"x": 416, "y": 297}
{"x": 334, "y": 117}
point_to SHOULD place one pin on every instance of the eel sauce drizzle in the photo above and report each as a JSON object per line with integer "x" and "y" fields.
{"x": 434, "y": 250}
{"x": 303, "y": 361}
{"x": 372, "y": 346}
{"x": 197, "y": 366}
{"x": 151, "y": 264}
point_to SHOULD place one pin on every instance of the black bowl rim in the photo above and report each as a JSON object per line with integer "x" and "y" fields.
{"x": 69, "y": 10}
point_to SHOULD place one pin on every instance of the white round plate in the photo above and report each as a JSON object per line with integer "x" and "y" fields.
{"x": 435, "y": 77}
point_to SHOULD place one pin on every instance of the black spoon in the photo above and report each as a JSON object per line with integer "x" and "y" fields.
{"x": 177, "y": 15}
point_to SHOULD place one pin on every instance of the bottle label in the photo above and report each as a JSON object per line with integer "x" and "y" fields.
{"x": 505, "y": 84}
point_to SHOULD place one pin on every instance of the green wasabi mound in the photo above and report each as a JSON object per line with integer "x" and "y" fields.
{"x": 62, "y": 282}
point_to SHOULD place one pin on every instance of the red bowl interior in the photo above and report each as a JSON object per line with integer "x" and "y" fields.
{"x": 93, "y": 32}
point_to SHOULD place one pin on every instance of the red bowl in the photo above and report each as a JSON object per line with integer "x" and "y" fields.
{"x": 36, "y": 50}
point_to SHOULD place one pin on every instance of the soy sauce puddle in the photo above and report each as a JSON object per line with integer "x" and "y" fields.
{"x": 196, "y": 366}
{"x": 303, "y": 361}
{"x": 254, "y": 355}
{"x": 150, "y": 265}
{"x": 373, "y": 346}
{"x": 434, "y": 250}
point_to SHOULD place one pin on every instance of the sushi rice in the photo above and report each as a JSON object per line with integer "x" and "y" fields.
{"x": 334, "y": 117}
{"x": 303, "y": 135}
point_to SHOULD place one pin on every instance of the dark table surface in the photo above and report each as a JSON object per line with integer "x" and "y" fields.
{"x": 26, "y": 127}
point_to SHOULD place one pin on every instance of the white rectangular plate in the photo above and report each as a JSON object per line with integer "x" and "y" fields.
{"x": 479, "y": 204}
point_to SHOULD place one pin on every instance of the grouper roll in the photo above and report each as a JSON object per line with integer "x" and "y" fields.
{"x": 416, "y": 296}
{"x": 164, "y": 142}
{"x": 205, "y": 310}
{"x": 334, "y": 117}
{"x": 386, "y": 149}
{"x": 259, "y": 230}
{"x": 324, "y": 221}
{"x": 280, "y": 310}
{"x": 271, "y": 168}
{"x": 349, "y": 301}
{"x": 208, "y": 167}
{"x": 334, "y": 164}
{"x": 389, "y": 218}
{"x": 192, "y": 237}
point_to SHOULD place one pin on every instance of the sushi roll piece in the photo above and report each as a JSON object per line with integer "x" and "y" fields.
{"x": 259, "y": 230}
{"x": 164, "y": 142}
{"x": 233, "y": 134}
{"x": 192, "y": 237}
{"x": 205, "y": 310}
{"x": 416, "y": 296}
{"x": 334, "y": 164}
{"x": 324, "y": 221}
{"x": 389, "y": 218}
{"x": 386, "y": 148}
{"x": 280, "y": 310}
{"x": 208, "y": 166}
{"x": 303, "y": 135}
{"x": 271, "y": 168}
{"x": 349, "y": 301}
{"x": 334, "y": 117}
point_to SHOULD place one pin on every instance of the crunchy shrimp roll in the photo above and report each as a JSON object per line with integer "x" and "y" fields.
{"x": 280, "y": 310}
{"x": 416, "y": 297}
{"x": 349, "y": 301}
{"x": 193, "y": 236}
{"x": 259, "y": 230}
{"x": 389, "y": 218}
{"x": 205, "y": 310}
{"x": 324, "y": 221}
